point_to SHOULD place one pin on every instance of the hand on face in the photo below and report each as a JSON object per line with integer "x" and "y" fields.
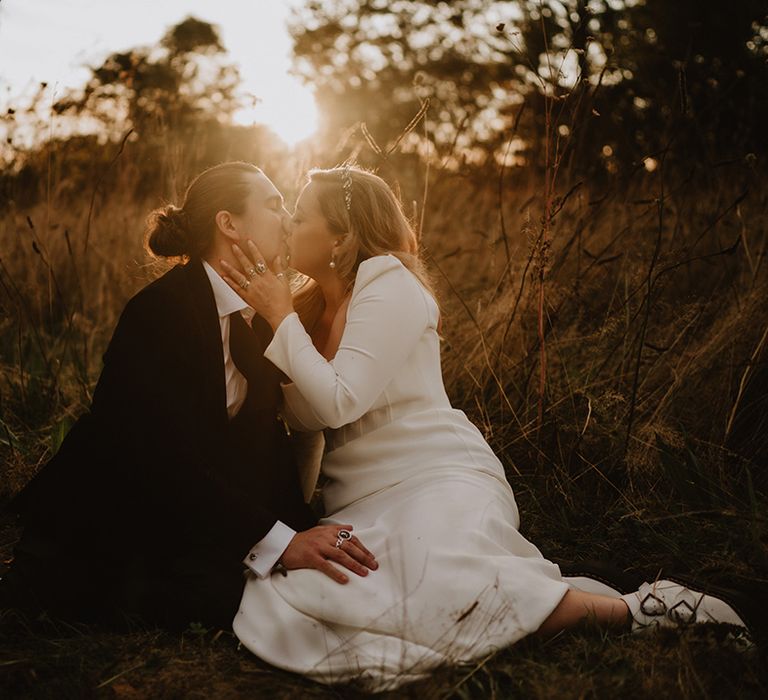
{"x": 264, "y": 288}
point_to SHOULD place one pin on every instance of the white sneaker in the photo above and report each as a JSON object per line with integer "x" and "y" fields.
{"x": 669, "y": 604}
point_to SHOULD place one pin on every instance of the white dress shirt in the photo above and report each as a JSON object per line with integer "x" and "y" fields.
{"x": 265, "y": 553}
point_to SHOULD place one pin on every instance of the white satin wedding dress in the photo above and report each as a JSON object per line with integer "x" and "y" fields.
{"x": 425, "y": 493}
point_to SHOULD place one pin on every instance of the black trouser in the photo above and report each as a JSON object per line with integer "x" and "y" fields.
{"x": 116, "y": 588}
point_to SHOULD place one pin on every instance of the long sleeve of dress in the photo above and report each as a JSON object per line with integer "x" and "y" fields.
{"x": 386, "y": 317}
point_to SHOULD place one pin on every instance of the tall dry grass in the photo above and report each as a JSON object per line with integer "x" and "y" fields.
{"x": 654, "y": 322}
{"x": 641, "y": 440}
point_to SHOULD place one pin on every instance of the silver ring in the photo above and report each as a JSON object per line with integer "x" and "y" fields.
{"x": 245, "y": 284}
{"x": 252, "y": 273}
{"x": 342, "y": 537}
{"x": 261, "y": 267}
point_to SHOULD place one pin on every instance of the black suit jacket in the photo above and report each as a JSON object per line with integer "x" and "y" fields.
{"x": 155, "y": 483}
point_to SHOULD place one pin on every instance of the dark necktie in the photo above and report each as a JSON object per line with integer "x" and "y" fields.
{"x": 247, "y": 345}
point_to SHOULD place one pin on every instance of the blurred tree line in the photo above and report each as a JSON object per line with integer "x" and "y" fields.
{"x": 170, "y": 106}
{"x": 625, "y": 79}
{"x": 603, "y": 84}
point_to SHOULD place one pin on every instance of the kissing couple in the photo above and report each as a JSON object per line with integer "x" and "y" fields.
{"x": 182, "y": 494}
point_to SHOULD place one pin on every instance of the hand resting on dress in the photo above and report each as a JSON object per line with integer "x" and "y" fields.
{"x": 316, "y": 549}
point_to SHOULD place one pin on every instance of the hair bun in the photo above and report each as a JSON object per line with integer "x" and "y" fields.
{"x": 168, "y": 232}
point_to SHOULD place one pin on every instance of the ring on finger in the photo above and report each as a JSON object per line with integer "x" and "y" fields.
{"x": 280, "y": 275}
{"x": 342, "y": 536}
{"x": 260, "y": 267}
{"x": 244, "y": 284}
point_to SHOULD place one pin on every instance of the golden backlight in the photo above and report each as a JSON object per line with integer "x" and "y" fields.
{"x": 81, "y": 33}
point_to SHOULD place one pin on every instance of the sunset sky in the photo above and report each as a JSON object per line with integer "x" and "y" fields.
{"x": 54, "y": 41}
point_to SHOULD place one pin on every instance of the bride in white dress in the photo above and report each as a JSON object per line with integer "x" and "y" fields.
{"x": 456, "y": 580}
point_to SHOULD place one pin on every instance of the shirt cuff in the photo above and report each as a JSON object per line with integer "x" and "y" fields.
{"x": 265, "y": 553}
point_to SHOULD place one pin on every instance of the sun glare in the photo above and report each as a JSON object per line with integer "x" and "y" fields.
{"x": 291, "y": 113}
{"x": 257, "y": 40}
{"x": 254, "y": 35}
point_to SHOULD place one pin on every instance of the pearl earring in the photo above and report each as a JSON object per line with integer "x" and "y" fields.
{"x": 332, "y": 264}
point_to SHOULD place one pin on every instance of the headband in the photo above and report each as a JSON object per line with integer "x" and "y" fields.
{"x": 346, "y": 183}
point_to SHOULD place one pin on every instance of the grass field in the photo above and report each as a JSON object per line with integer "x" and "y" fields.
{"x": 613, "y": 355}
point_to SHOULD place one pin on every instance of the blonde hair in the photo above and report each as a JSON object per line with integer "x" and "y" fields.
{"x": 361, "y": 208}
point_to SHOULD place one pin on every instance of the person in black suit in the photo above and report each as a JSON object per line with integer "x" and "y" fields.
{"x": 182, "y": 467}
